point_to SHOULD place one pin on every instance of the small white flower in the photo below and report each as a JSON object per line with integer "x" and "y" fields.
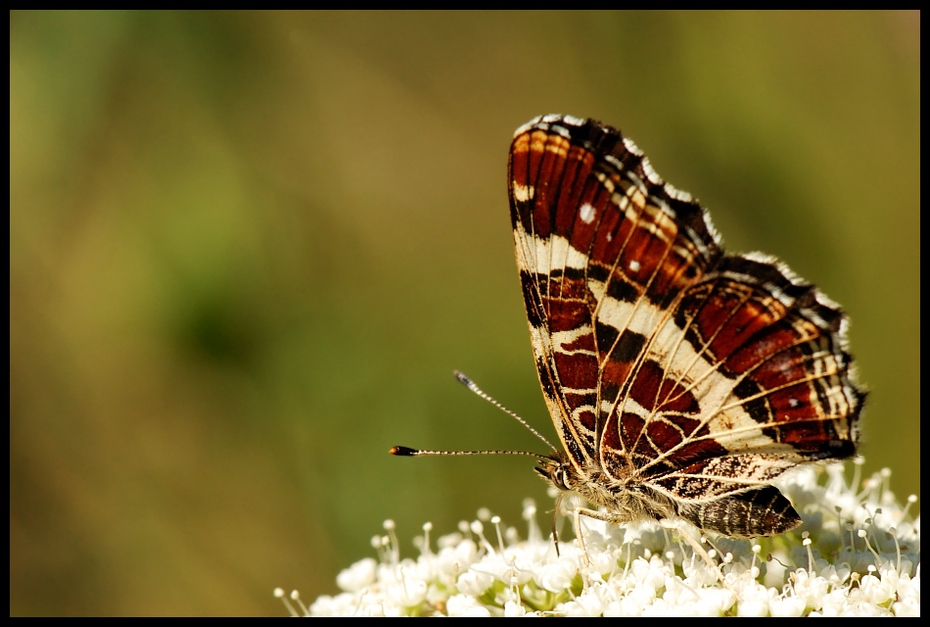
{"x": 786, "y": 606}
{"x": 857, "y": 554}
{"x": 358, "y": 575}
{"x": 465, "y": 605}
{"x": 512, "y": 608}
{"x": 475, "y": 582}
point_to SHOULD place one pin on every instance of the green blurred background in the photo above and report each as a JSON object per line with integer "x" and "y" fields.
{"x": 247, "y": 251}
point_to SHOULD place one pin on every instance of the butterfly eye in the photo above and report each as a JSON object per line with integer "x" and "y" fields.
{"x": 564, "y": 479}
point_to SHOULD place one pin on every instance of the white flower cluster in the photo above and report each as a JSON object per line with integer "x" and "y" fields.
{"x": 855, "y": 554}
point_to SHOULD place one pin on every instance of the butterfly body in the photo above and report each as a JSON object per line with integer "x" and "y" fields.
{"x": 624, "y": 501}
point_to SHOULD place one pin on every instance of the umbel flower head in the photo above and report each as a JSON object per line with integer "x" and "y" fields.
{"x": 857, "y": 553}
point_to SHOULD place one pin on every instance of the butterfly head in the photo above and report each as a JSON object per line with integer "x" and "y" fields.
{"x": 558, "y": 471}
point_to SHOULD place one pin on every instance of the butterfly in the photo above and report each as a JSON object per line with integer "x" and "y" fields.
{"x": 681, "y": 380}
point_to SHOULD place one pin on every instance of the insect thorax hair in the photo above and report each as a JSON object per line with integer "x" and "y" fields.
{"x": 625, "y": 501}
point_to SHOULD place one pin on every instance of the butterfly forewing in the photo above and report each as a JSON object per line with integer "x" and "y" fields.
{"x": 664, "y": 362}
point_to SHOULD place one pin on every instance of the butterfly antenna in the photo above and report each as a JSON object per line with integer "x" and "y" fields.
{"x": 464, "y": 380}
{"x": 406, "y": 451}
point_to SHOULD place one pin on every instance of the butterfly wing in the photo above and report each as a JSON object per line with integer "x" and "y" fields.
{"x": 663, "y": 360}
{"x": 602, "y": 250}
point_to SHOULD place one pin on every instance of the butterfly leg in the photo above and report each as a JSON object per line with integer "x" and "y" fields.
{"x": 679, "y": 525}
{"x": 675, "y": 524}
{"x": 578, "y": 512}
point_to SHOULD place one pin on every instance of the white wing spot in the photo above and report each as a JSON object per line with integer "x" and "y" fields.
{"x": 570, "y": 119}
{"x": 587, "y": 213}
{"x": 523, "y": 192}
{"x": 634, "y": 266}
